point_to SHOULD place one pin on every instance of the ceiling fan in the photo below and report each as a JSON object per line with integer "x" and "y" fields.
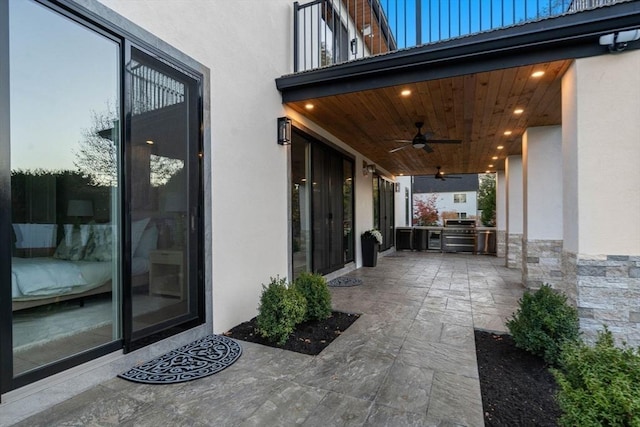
{"x": 440, "y": 175}
{"x": 422, "y": 139}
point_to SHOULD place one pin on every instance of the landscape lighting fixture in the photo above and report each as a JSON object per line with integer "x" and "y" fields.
{"x": 284, "y": 130}
{"x": 368, "y": 168}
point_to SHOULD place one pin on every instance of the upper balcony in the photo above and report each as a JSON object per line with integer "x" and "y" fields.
{"x": 330, "y": 32}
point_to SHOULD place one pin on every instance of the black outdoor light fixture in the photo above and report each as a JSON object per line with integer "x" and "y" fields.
{"x": 284, "y": 130}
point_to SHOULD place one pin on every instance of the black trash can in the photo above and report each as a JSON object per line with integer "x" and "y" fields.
{"x": 404, "y": 238}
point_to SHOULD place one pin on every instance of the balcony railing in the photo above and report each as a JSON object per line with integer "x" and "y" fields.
{"x": 152, "y": 90}
{"x": 329, "y": 32}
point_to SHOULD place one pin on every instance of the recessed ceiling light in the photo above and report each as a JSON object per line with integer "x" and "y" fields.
{"x": 487, "y": 171}
{"x": 537, "y": 74}
{"x": 494, "y": 158}
{"x": 400, "y": 174}
{"x": 507, "y": 132}
{"x": 500, "y": 147}
{"x": 150, "y": 142}
{"x": 490, "y": 166}
{"x": 405, "y": 92}
{"x": 518, "y": 111}
{"x": 309, "y": 106}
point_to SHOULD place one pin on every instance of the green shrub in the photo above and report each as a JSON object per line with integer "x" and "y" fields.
{"x": 543, "y": 323}
{"x": 600, "y": 385}
{"x": 314, "y": 288}
{"x": 281, "y": 309}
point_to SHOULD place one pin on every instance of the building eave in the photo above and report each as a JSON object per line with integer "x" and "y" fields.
{"x": 567, "y": 36}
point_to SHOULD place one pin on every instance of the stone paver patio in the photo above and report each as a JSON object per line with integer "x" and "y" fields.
{"x": 409, "y": 360}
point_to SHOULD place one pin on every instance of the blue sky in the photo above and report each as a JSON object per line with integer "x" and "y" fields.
{"x": 59, "y": 73}
{"x": 442, "y": 19}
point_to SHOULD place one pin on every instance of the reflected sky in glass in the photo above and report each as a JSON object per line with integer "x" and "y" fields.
{"x": 61, "y": 73}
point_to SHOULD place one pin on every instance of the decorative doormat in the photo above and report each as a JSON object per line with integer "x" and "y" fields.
{"x": 343, "y": 282}
{"x": 199, "y": 359}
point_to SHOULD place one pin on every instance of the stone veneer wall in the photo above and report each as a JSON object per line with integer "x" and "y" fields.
{"x": 501, "y": 243}
{"x": 541, "y": 263}
{"x": 608, "y": 293}
{"x": 514, "y": 251}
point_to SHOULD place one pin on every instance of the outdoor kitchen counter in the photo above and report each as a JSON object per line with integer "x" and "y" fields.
{"x": 420, "y": 238}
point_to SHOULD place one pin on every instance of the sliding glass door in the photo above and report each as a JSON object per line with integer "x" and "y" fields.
{"x": 322, "y": 212}
{"x": 65, "y": 195}
{"x": 384, "y": 217}
{"x": 163, "y": 177}
{"x": 100, "y": 193}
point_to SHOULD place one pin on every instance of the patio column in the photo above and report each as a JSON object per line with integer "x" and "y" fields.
{"x": 513, "y": 168}
{"x": 501, "y": 214}
{"x": 601, "y": 206}
{"x": 542, "y": 198}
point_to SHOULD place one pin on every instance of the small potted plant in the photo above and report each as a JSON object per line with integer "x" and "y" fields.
{"x": 371, "y": 241}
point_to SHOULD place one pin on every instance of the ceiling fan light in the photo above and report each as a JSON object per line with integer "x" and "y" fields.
{"x": 418, "y": 145}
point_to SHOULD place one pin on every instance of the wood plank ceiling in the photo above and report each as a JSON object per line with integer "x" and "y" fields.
{"x": 477, "y": 109}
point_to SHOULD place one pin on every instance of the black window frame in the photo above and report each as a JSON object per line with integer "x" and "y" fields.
{"x": 126, "y": 41}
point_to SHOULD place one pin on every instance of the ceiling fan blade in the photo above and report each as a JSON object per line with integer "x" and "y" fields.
{"x": 427, "y": 149}
{"x": 399, "y": 148}
{"x": 444, "y": 141}
{"x": 402, "y": 140}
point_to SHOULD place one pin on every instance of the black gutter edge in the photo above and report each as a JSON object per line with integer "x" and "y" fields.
{"x": 567, "y": 36}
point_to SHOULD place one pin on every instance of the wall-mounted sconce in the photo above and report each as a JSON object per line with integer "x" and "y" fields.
{"x": 367, "y": 169}
{"x": 284, "y": 130}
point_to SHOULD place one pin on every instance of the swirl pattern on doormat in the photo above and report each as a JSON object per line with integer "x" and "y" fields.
{"x": 339, "y": 282}
{"x": 199, "y": 359}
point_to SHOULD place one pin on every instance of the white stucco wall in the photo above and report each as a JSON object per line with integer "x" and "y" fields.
{"x": 542, "y": 180}
{"x": 601, "y": 154}
{"x": 501, "y": 200}
{"x": 513, "y": 166}
{"x": 401, "y": 203}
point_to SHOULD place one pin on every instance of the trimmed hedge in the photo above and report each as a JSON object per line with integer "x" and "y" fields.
{"x": 599, "y": 385}
{"x": 543, "y": 323}
{"x": 315, "y": 290}
{"x": 281, "y": 309}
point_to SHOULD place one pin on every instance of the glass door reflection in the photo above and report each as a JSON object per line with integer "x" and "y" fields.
{"x": 65, "y": 262}
{"x": 163, "y": 178}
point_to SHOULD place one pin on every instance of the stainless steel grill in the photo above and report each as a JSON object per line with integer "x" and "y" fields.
{"x": 459, "y": 235}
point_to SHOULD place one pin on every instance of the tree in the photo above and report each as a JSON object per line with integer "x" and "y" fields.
{"x": 487, "y": 199}
{"x": 425, "y": 211}
{"x": 96, "y": 157}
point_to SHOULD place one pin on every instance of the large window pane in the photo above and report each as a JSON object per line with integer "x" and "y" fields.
{"x": 300, "y": 199}
{"x": 163, "y": 149}
{"x": 347, "y": 197}
{"x": 64, "y": 103}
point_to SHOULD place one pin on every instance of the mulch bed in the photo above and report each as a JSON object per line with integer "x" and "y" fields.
{"x": 517, "y": 387}
{"x": 308, "y": 338}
